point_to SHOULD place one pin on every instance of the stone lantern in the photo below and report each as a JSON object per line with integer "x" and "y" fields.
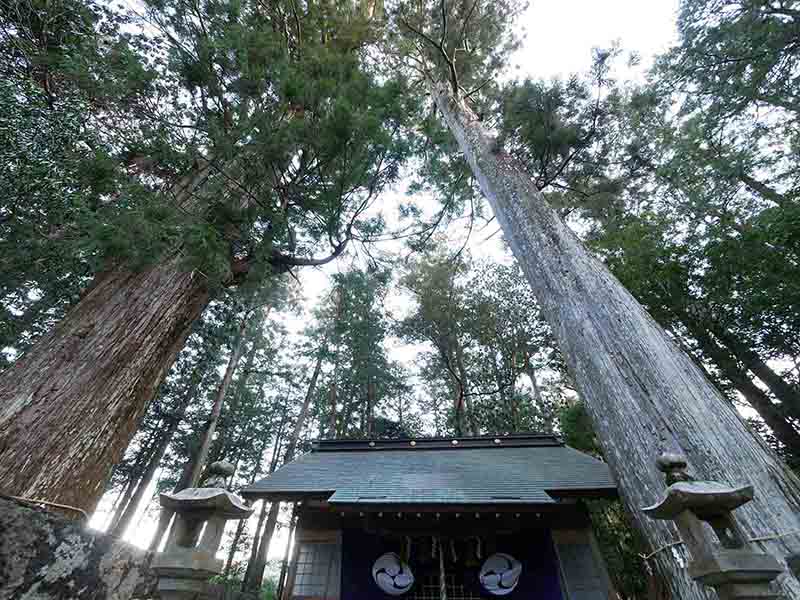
{"x": 728, "y": 564}
{"x": 189, "y": 557}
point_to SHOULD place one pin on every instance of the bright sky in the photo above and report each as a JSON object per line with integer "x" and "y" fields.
{"x": 560, "y": 35}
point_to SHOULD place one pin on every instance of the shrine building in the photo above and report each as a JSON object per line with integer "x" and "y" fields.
{"x": 436, "y": 518}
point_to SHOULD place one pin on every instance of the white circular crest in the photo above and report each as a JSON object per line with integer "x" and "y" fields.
{"x": 392, "y": 575}
{"x": 500, "y": 573}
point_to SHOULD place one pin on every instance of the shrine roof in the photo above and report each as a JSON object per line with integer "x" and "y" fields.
{"x": 509, "y": 470}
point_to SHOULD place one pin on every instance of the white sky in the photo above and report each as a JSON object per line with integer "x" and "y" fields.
{"x": 560, "y": 36}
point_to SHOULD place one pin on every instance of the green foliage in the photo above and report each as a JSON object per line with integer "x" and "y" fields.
{"x": 370, "y": 389}
{"x": 485, "y": 336}
{"x": 207, "y": 131}
{"x": 576, "y": 429}
{"x": 43, "y": 195}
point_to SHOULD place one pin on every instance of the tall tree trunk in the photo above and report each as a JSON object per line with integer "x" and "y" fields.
{"x": 121, "y": 503}
{"x": 70, "y": 405}
{"x": 255, "y": 570}
{"x": 219, "y": 400}
{"x": 370, "y": 407}
{"x": 241, "y": 383}
{"x": 332, "y": 416}
{"x": 531, "y": 373}
{"x": 784, "y": 431}
{"x": 165, "y": 515}
{"x": 155, "y": 460}
{"x": 256, "y": 545}
{"x": 285, "y": 562}
{"x": 255, "y": 549}
{"x": 255, "y": 575}
{"x": 788, "y": 395}
{"x": 643, "y": 394}
{"x": 242, "y": 522}
{"x": 194, "y": 467}
{"x": 465, "y": 400}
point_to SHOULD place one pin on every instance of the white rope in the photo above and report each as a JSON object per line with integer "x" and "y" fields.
{"x": 765, "y": 538}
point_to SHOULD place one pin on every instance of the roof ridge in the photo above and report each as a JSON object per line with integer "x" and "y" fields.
{"x": 438, "y": 443}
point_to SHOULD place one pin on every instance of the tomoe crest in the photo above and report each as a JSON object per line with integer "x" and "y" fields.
{"x": 392, "y": 575}
{"x": 500, "y": 573}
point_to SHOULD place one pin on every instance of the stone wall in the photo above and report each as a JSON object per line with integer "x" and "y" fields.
{"x": 44, "y": 556}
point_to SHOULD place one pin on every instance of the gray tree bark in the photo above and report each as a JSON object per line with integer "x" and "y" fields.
{"x": 643, "y": 394}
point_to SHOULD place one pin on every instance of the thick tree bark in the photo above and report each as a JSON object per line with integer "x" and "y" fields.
{"x": 643, "y": 394}
{"x": 70, "y": 405}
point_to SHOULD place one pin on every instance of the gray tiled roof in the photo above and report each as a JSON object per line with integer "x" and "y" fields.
{"x": 514, "y": 472}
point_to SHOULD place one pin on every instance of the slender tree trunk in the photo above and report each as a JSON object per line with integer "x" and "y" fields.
{"x": 241, "y": 383}
{"x": 255, "y": 570}
{"x": 256, "y": 545}
{"x": 788, "y": 395}
{"x": 643, "y": 394}
{"x": 165, "y": 515}
{"x": 332, "y": 416}
{"x": 242, "y": 522}
{"x": 123, "y": 501}
{"x": 194, "y": 468}
{"x": 757, "y": 398}
{"x": 291, "y": 448}
{"x": 255, "y": 549}
{"x": 216, "y": 409}
{"x": 147, "y": 477}
{"x": 370, "y": 407}
{"x": 142, "y": 456}
{"x": 531, "y": 373}
{"x": 70, "y": 405}
{"x": 465, "y": 404}
{"x": 285, "y": 562}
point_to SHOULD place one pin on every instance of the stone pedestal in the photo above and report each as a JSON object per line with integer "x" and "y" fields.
{"x": 728, "y": 564}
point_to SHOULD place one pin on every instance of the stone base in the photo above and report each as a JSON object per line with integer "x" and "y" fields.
{"x": 187, "y": 564}
{"x": 737, "y": 574}
{"x": 177, "y": 588}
